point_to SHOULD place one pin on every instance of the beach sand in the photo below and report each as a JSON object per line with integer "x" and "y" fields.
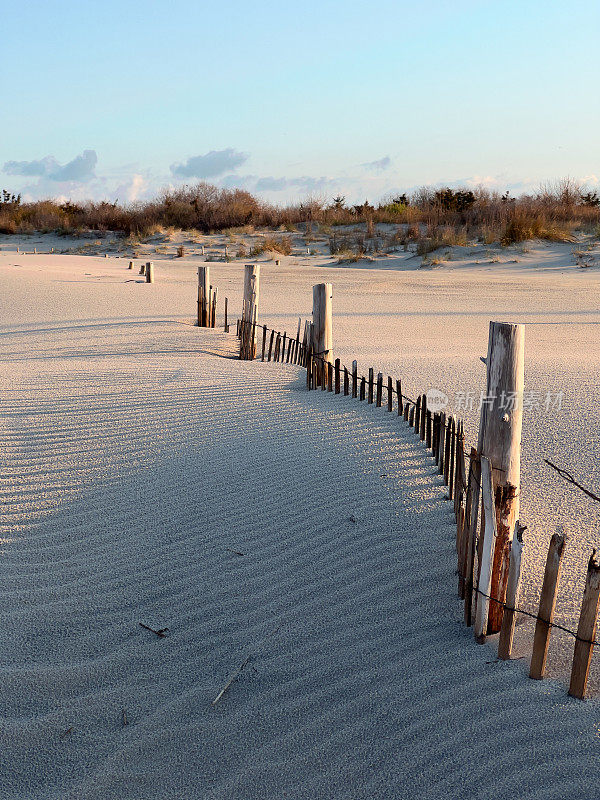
{"x": 138, "y": 454}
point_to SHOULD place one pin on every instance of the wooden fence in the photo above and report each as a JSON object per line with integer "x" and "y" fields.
{"x": 469, "y": 478}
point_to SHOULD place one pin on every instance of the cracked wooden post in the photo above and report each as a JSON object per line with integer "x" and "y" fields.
{"x": 500, "y": 441}
{"x": 323, "y": 326}
{"x": 507, "y": 631}
{"x": 543, "y": 625}
{"x": 250, "y": 311}
{"x": 586, "y": 630}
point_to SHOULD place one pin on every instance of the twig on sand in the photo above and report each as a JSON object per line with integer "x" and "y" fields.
{"x": 244, "y": 663}
{"x": 237, "y": 552}
{"x": 161, "y": 632}
{"x": 66, "y": 733}
{"x": 124, "y": 713}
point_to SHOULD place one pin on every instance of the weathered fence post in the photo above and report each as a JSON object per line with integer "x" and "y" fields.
{"x": 149, "y": 272}
{"x": 226, "y": 325}
{"x": 354, "y": 379}
{"x": 379, "y": 394}
{"x": 214, "y": 307}
{"x": 586, "y": 630}
{"x": 323, "y": 324}
{"x": 337, "y": 376}
{"x": 543, "y": 625}
{"x": 507, "y": 631}
{"x": 370, "y": 394}
{"x": 203, "y": 295}
{"x": 399, "y": 393}
{"x": 250, "y": 311}
{"x": 500, "y": 441}
{"x": 390, "y": 393}
{"x": 362, "y": 388}
{"x": 130, "y": 265}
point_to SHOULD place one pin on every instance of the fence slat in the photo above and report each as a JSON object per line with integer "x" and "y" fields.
{"x": 346, "y": 381}
{"x": 264, "y": 341}
{"x": 337, "y": 376}
{"x": 379, "y": 394}
{"x": 586, "y": 630}
{"x": 399, "y": 395}
{"x": 362, "y": 388}
{"x": 507, "y": 630}
{"x": 370, "y": 400}
{"x": 354, "y": 379}
{"x": 390, "y": 394}
{"x": 472, "y": 517}
{"x": 489, "y": 541}
{"x": 541, "y": 638}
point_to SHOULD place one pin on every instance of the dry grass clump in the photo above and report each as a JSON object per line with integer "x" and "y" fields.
{"x": 272, "y": 244}
{"x": 522, "y": 226}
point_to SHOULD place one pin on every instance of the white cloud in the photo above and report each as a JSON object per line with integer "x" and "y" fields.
{"x": 210, "y": 165}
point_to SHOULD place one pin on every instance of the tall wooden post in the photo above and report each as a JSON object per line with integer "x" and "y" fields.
{"x": 203, "y": 295}
{"x": 250, "y": 311}
{"x": 500, "y": 441}
{"x": 322, "y": 325}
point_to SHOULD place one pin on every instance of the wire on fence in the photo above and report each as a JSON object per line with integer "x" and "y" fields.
{"x": 570, "y": 479}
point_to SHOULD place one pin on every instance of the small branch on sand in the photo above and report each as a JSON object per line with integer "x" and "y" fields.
{"x": 124, "y": 713}
{"x": 66, "y": 733}
{"x": 161, "y": 633}
{"x": 237, "y": 552}
{"x": 244, "y": 663}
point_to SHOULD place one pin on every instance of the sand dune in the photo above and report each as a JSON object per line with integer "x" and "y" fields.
{"x": 137, "y": 454}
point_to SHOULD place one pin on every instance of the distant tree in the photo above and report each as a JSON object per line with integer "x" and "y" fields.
{"x": 450, "y": 200}
{"x": 590, "y": 199}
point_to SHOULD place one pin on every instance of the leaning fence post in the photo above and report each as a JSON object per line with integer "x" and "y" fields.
{"x": 500, "y": 440}
{"x": 250, "y": 312}
{"x": 322, "y": 321}
{"x": 543, "y": 625}
{"x": 489, "y": 541}
{"x": 586, "y": 630}
{"x": 507, "y": 631}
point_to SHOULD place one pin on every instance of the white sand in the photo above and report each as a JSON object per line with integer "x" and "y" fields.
{"x": 134, "y": 453}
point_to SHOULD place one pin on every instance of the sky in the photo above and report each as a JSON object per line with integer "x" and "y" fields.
{"x": 116, "y": 100}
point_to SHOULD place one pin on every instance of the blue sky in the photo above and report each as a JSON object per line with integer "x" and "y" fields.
{"x": 118, "y": 99}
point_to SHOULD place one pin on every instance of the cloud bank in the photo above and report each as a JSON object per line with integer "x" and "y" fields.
{"x": 81, "y": 168}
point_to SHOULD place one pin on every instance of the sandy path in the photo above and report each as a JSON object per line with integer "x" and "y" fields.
{"x": 134, "y": 454}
